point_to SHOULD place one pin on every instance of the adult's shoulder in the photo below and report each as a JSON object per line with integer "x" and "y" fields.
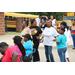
{"x": 30, "y": 27}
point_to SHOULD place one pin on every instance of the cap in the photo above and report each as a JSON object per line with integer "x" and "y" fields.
{"x": 3, "y": 44}
{"x": 28, "y": 36}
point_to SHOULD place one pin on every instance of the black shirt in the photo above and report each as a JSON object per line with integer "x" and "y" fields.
{"x": 43, "y": 26}
{"x": 35, "y": 32}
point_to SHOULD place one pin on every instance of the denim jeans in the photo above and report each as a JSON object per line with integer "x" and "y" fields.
{"x": 73, "y": 37}
{"x": 61, "y": 53}
{"x": 48, "y": 53}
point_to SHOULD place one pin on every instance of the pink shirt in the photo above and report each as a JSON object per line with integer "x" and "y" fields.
{"x": 7, "y": 57}
{"x": 17, "y": 50}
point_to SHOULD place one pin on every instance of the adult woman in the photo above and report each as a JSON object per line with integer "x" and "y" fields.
{"x": 49, "y": 33}
{"x": 18, "y": 46}
{"x": 25, "y": 31}
{"x": 68, "y": 34}
{"x": 54, "y": 22}
{"x": 73, "y": 33}
{"x": 36, "y": 34}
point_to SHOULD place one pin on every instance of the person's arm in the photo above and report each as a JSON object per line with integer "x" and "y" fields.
{"x": 56, "y": 22}
{"x": 1, "y": 58}
{"x": 14, "y": 57}
{"x": 38, "y": 37}
{"x": 57, "y": 42}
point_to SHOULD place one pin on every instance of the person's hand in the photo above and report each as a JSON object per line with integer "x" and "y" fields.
{"x": 37, "y": 37}
{"x": 55, "y": 40}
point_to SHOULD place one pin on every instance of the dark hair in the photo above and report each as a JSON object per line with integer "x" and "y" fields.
{"x": 0, "y": 45}
{"x": 63, "y": 29}
{"x": 28, "y": 36}
{"x": 51, "y": 15}
{"x": 17, "y": 40}
{"x": 40, "y": 15}
{"x": 73, "y": 22}
{"x": 27, "y": 22}
{"x": 33, "y": 21}
{"x": 65, "y": 25}
{"x": 3, "y": 44}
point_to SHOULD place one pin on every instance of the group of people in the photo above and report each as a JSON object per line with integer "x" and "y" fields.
{"x": 31, "y": 36}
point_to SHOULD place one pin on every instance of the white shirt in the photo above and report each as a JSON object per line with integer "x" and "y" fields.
{"x": 38, "y": 21}
{"x": 67, "y": 33}
{"x": 49, "y": 34}
{"x": 53, "y": 22}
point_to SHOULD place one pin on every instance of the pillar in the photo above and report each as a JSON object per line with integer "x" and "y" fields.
{"x": 2, "y": 24}
{"x": 19, "y": 24}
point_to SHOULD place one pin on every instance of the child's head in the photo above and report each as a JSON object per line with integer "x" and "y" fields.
{"x": 27, "y": 37}
{"x": 64, "y": 25}
{"x": 61, "y": 30}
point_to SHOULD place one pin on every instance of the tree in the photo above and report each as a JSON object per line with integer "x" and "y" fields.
{"x": 57, "y": 15}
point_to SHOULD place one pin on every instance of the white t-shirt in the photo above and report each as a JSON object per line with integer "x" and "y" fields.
{"x": 49, "y": 34}
{"x": 53, "y": 22}
{"x": 68, "y": 35}
{"x": 38, "y": 21}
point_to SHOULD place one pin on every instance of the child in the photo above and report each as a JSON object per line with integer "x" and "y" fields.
{"x": 28, "y": 44}
{"x": 61, "y": 45}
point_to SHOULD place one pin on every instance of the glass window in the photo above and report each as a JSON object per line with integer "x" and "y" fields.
{"x": 6, "y": 17}
{"x": 24, "y": 19}
{"x": 10, "y": 17}
{"x": 14, "y": 18}
{"x": 28, "y": 19}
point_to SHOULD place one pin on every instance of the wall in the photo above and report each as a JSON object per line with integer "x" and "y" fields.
{"x": 2, "y": 24}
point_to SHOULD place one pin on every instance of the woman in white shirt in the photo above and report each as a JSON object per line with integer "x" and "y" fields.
{"x": 49, "y": 33}
{"x": 68, "y": 34}
{"x": 54, "y": 22}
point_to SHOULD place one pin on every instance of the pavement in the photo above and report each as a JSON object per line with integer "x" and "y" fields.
{"x": 71, "y": 52}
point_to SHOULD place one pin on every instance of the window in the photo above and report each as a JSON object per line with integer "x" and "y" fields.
{"x": 10, "y": 17}
{"x": 14, "y": 18}
{"x": 28, "y": 19}
{"x": 24, "y": 19}
{"x": 6, "y": 17}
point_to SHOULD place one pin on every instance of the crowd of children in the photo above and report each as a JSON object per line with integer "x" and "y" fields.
{"x": 31, "y": 36}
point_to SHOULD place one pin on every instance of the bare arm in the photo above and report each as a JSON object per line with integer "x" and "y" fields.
{"x": 57, "y": 42}
{"x": 56, "y": 22}
{"x": 1, "y": 58}
{"x": 14, "y": 57}
{"x": 38, "y": 37}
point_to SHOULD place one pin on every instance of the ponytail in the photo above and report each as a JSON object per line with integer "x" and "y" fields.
{"x": 17, "y": 41}
{"x": 21, "y": 48}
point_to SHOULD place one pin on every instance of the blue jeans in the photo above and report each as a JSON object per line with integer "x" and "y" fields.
{"x": 61, "y": 53}
{"x": 48, "y": 53}
{"x": 73, "y": 37}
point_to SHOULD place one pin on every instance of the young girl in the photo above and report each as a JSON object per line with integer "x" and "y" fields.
{"x": 28, "y": 44}
{"x": 61, "y": 45}
{"x": 68, "y": 34}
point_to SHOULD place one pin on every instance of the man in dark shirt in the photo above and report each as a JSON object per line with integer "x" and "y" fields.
{"x": 43, "y": 25}
{"x": 36, "y": 33}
